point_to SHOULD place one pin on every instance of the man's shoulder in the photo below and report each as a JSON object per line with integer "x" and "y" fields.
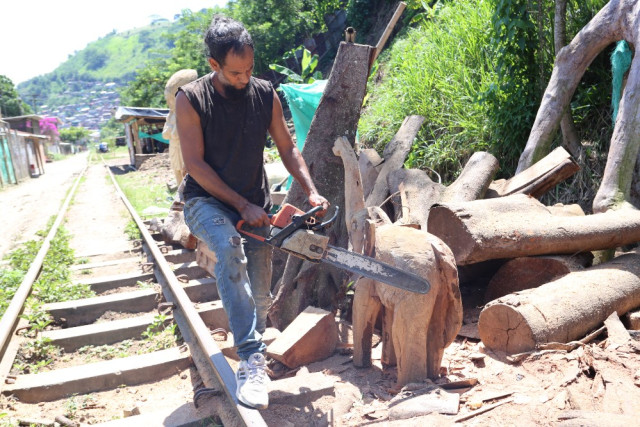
{"x": 199, "y": 83}
{"x": 262, "y": 85}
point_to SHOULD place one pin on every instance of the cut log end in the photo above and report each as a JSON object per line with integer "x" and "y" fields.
{"x": 502, "y": 328}
{"x": 445, "y": 224}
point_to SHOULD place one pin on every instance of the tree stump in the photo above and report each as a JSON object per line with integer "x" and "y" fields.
{"x": 303, "y": 283}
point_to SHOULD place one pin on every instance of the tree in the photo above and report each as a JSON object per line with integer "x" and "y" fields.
{"x": 147, "y": 89}
{"x": 74, "y": 135}
{"x": 10, "y": 103}
{"x": 275, "y": 26}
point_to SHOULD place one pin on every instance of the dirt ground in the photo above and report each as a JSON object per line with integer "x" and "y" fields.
{"x": 27, "y": 207}
{"x": 596, "y": 384}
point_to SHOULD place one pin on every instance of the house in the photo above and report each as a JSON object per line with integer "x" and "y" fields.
{"x": 143, "y": 131}
{"x": 22, "y": 154}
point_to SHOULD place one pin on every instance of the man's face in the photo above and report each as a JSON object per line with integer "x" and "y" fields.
{"x": 234, "y": 75}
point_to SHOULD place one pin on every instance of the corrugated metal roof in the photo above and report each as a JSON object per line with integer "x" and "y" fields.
{"x": 125, "y": 114}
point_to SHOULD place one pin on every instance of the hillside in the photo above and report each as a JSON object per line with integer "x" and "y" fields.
{"x": 83, "y": 90}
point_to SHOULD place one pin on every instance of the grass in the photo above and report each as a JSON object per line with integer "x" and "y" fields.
{"x": 440, "y": 70}
{"x": 145, "y": 194}
{"x": 53, "y": 284}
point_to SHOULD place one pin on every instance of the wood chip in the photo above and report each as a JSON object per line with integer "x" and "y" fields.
{"x": 482, "y": 410}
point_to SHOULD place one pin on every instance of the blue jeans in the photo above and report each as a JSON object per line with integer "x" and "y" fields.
{"x": 243, "y": 270}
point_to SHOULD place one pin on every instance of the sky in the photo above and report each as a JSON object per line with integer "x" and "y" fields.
{"x": 38, "y": 35}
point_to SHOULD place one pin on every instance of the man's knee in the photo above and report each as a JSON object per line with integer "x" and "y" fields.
{"x": 233, "y": 255}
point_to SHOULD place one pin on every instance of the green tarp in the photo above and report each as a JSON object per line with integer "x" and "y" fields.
{"x": 303, "y": 100}
{"x": 156, "y": 136}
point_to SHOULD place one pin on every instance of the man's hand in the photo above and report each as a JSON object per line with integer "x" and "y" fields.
{"x": 316, "y": 199}
{"x": 254, "y": 215}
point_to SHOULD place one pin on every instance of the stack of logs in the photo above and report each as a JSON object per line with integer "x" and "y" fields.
{"x": 546, "y": 289}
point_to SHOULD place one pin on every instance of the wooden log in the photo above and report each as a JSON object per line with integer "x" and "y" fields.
{"x": 523, "y": 273}
{"x": 539, "y": 178}
{"x": 312, "y": 336}
{"x": 394, "y": 155}
{"x": 473, "y": 180}
{"x": 519, "y": 225}
{"x": 563, "y": 310}
{"x": 419, "y": 192}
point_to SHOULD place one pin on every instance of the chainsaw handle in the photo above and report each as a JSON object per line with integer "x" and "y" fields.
{"x": 246, "y": 233}
{"x": 328, "y": 222}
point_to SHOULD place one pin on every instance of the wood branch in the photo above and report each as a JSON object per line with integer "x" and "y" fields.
{"x": 418, "y": 194}
{"x": 614, "y": 191}
{"x": 337, "y": 115}
{"x": 523, "y": 273}
{"x": 473, "y": 180}
{"x": 570, "y": 137}
{"x": 571, "y": 63}
{"x": 581, "y": 302}
{"x": 370, "y": 164}
{"x": 519, "y": 225}
{"x": 539, "y": 178}
{"x": 394, "y": 155}
{"x": 387, "y": 31}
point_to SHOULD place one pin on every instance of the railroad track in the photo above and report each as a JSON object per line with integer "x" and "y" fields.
{"x": 139, "y": 292}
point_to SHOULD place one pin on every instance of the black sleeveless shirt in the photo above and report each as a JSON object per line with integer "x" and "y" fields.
{"x": 235, "y": 134}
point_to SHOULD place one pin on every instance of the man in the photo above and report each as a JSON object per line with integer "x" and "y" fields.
{"x": 223, "y": 119}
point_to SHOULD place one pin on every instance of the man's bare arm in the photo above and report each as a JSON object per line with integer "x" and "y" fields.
{"x": 291, "y": 156}
{"x": 192, "y": 147}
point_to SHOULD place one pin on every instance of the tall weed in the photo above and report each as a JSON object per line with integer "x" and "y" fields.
{"x": 440, "y": 70}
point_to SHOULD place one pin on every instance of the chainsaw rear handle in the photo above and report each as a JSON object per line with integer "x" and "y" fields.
{"x": 290, "y": 219}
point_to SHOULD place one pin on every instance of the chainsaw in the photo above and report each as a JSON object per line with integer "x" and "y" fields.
{"x": 299, "y": 233}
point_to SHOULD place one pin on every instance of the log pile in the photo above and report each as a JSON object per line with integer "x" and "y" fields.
{"x": 546, "y": 289}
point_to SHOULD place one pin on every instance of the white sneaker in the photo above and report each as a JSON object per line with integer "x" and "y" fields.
{"x": 252, "y": 380}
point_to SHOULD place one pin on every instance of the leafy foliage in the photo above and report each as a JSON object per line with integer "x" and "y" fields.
{"x": 440, "y": 70}
{"x": 74, "y": 134}
{"x": 147, "y": 88}
{"x": 307, "y": 67}
{"x": 10, "y": 102}
{"x": 275, "y": 25}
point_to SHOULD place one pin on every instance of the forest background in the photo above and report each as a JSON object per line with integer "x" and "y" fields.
{"x": 475, "y": 69}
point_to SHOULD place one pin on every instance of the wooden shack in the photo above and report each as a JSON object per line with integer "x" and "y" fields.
{"x": 22, "y": 154}
{"x": 143, "y": 132}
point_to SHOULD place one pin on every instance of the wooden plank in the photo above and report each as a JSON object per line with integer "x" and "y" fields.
{"x": 312, "y": 336}
{"x": 90, "y": 266}
{"x": 100, "y": 376}
{"x": 87, "y": 310}
{"x": 107, "y": 283}
{"x": 181, "y": 255}
{"x": 70, "y": 339}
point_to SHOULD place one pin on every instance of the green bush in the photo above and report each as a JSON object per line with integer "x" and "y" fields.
{"x": 440, "y": 70}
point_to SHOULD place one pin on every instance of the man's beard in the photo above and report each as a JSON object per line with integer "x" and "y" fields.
{"x": 234, "y": 94}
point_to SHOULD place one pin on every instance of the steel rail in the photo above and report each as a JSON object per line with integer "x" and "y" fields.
{"x": 10, "y": 316}
{"x": 217, "y": 361}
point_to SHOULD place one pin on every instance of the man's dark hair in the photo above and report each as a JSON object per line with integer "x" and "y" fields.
{"x": 225, "y": 35}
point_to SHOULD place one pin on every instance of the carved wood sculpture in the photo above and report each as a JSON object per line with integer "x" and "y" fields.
{"x": 618, "y": 20}
{"x": 170, "y": 130}
{"x": 416, "y": 328}
{"x": 174, "y": 229}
